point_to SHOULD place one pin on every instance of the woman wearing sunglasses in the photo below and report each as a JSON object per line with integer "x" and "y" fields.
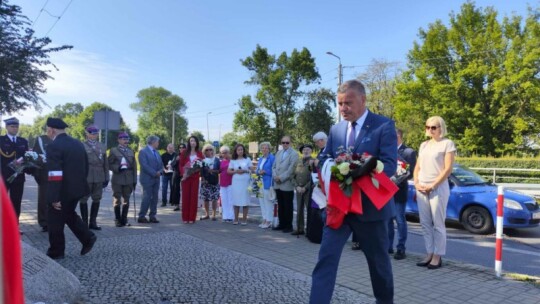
{"x": 434, "y": 165}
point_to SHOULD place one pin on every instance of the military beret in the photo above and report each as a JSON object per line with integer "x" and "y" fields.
{"x": 305, "y": 146}
{"x": 123, "y": 135}
{"x": 11, "y": 121}
{"x": 91, "y": 129}
{"x": 56, "y": 123}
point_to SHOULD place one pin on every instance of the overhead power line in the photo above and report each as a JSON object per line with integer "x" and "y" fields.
{"x": 40, "y": 11}
{"x": 58, "y": 19}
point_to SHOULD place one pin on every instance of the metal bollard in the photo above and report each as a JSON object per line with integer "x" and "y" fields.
{"x": 499, "y": 232}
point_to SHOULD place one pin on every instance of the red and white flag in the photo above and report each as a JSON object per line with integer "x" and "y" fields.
{"x": 11, "y": 282}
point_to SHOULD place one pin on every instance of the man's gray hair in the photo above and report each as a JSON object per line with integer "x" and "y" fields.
{"x": 151, "y": 139}
{"x": 352, "y": 85}
{"x": 320, "y": 135}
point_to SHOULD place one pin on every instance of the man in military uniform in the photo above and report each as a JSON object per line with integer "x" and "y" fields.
{"x": 98, "y": 175}
{"x": 41, "y": 176}
{"x": 124, "y": 179}
{"x": 67, "y": 166}
{"x": 303, "y": 184}
{"x": 13, "y": 147}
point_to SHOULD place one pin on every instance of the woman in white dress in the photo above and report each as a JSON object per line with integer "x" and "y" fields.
{"x": 240, "y": 169}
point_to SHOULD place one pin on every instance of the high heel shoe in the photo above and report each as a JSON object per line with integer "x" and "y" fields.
{"x": 431, "y": 266}
{"x": 423, "y": 263}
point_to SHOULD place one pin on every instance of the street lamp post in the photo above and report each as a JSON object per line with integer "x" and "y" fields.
{"x": 173, "y": 127}
{"x": 340, "y": 79}
{"x": 207, "y": 127}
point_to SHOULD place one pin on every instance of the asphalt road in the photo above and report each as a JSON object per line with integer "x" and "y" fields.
{"x": 521, "y": 247}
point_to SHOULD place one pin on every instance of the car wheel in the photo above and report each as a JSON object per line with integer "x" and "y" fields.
{"x": 477, "y": 220}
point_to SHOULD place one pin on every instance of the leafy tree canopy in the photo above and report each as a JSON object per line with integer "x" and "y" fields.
{"x": 279, "y": 80}
{"x": 481, "y": 75}
{"x": 315, "y": 116}
{"x": 23, "y": 58}
{"x": 156, "y": 107}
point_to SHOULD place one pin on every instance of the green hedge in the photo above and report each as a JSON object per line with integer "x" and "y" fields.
{"x": 503, "y": 176}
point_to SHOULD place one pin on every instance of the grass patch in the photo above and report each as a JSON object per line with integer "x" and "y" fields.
{"x": 524, "y": 278}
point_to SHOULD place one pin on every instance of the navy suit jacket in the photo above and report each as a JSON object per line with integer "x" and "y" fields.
{"x": 150, "y": 165}
{"x": 377, "y": 138}
{"x": 408, "y": 155}
{"x": 67, "y": 167}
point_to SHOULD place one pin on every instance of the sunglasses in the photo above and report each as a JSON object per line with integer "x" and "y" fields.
{"x": 285, "y": 142}
{"x": 432, "y": 128}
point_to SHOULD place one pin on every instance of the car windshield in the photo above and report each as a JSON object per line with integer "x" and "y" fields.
{"x": 467, "y": 177}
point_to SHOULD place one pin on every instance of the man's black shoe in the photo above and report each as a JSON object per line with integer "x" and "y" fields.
{"x": 56, "y": 257}
{"x": 154, "y": 220}
{"x": 177, "y": 208}
{"x": 400, "y": 254}
{"x": 356, "y": 246}
{"x": 142, "y": 220}
{"x": 298, "y": 233}
{"x": 88, "y": 246}
{"x": 277, "y": 228}
{"x": 44, "y": 229}
{"x": 287, "y": 230}
{"x": 118, "y": 223}
{"x": 94, "y": 227}
{"x": 390, "y": 251}
{"x": 163, "y": 204}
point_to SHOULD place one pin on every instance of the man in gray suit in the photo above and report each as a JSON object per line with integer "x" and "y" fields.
{"x": 282, "y": 171}
{"x": 151, "y": 170}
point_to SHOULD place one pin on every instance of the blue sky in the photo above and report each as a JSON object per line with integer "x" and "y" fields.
{"x": 193, "y": 48}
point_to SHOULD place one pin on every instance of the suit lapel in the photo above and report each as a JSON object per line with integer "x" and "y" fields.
{"x": 364, "y": 131}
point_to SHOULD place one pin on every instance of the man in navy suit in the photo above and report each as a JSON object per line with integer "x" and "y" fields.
{"x": 407, "y": 155}
{"x": 67, "y": 167}
{"x": 376, "y": 135}
{"x": 151, "y": 169}
{"x": 13, "y": 147}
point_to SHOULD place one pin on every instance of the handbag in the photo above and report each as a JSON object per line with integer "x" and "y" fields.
{"x": 271, "y": 193}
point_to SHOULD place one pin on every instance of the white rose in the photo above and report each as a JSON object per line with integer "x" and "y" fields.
{"x": 380, "y": 166}
{"x": 344, "y": 168}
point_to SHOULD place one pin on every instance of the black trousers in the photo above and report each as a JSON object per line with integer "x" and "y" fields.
{"x": 66, "y": 216}
{"x": 15, "y": 190}
{"x": 285, "y": 208}
{"x": 42, "y": 205}
{"x": 175, "y": 189}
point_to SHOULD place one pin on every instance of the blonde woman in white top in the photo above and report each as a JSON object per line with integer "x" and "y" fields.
{"x": 434, "y": 165}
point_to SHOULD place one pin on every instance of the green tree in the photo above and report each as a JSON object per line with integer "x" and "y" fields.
{"x": 250, "y": 122}
{"x": 86, "y": 117}
{"x": 199, "y": 135}
{"x": 230, "y": 139}
{"x": 317, "y": 115}
{"x": 156, "y": 107}
{"x": 22, "y": 59}
{"x": 279, "y": 80}
{"x": 380, "y": 82}
{"x": 481, "y": 76}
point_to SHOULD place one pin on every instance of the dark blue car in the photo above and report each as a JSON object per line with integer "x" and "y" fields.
{"x": 473, "y": 203}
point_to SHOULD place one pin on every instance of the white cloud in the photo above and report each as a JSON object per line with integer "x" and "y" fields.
{"x": 87, "y": 77}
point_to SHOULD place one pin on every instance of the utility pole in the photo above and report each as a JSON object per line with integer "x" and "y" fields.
{"x": 207, "y": 127}
{"x": 173, "y": 127}
{"x": 340, "y": 80}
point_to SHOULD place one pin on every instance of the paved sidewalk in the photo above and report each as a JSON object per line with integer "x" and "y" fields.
{"x": 214, "y": 262}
